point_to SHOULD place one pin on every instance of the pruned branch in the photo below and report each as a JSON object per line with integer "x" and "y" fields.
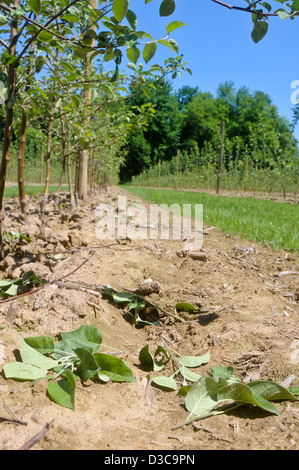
{"x": 49, "y": 283}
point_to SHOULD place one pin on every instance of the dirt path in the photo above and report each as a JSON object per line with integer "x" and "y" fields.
{"x": 248, "y": 319}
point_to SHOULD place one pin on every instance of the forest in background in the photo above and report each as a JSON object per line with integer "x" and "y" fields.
{"x": 183, "y": 138}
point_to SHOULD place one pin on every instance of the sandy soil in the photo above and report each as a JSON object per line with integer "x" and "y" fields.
{"x": 248, "y": 319}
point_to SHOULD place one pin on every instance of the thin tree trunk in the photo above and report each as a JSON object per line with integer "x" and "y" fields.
{"x": 11, "y": 83}
{"x": 83, "y": 155}
{"x": 69, "y": 173}
{"x": 44, "y": 200}
{"x": 42, "y": 163}
{"x": 63, "y": 144}
{"x": 48, "y": 151}
{"x": 21, "y": 179}
{"x": 24, "y": 125}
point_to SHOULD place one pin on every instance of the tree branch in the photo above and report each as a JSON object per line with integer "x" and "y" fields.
{"x": 49, "y": 283}
{"x": 4, "y": 44}
{"x": 247, "y": 9}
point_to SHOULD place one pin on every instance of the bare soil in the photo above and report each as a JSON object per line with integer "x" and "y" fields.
{"x": 248, "y": 319}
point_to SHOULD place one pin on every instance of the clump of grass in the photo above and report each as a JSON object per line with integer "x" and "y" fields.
{"x": 274, "y": 224}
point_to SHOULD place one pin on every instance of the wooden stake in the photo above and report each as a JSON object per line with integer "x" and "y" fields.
{"x": 220, "y": 158}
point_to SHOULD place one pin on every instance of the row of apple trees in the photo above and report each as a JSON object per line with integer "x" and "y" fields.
{"x": 57, "y": 84}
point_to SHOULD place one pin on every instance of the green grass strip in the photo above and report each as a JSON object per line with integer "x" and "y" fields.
{"x": 274, "y": 224}
{"x": 31, "y": 190}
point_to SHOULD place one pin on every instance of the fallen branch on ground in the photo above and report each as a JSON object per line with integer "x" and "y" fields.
{"x": 49, "y": 283}
{"x": 75, "y": 250}
{"x": 38, "y": 437}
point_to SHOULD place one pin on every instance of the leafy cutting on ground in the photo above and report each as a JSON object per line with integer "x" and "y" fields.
{"x": 216, "y": 393}
{"x": 20, "y": 285}
{"x": 138, "y": 304}
{"x": 222, "y": 392}
{"x": 75, "y": 357}
{"x": 15, "y": 237}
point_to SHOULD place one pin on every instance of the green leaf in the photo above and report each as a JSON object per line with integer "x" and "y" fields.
{"x": 171, "y": 43}
{"x": 12, "y": 291}
{"x": 259, "y": 31}
{"x": 42, "y": 344}
{"x": 150, "y": 361}
{"x": 164, "y": 358}
{"x": 5, "y": 283}
{"x": 133, "y": 54}
{"x": 34, "y": 358}
{"x": 70, "y": 18}
{"x": 145, "y": 357}
{"x": 30, "y": 279}
{"x": 88, "y": 367}
{"x": 271, "y": 390}
{"x": 167, "y": 7}
{"x": 115, "y": 76}
{"x": 174, "y": 25}
{"x": 267, "y": 6}
{"x": 113, "y": 367}
{"x": 149, "y": 51}
{"x": 146, "y": 92}
{"x": 189, "y": 374}
{"x": 3, "y": 20}
{"x": 185, "y": 306}
{"x": 294, "y": 390}
{"x": 21, "y": 371}
{"x": 132, "y": 66}
{"x": 120, "y": 9}
{"x": 224, "y": 372}
{"x": 194, "y": 361}
{"x": 132, "y": 19}
{"x": 87, "y": 336}
{"x": 202, "y": 397}
{"x": 167, "y": 384}
{"x": 244, "y": 395}
{"x": 35, "y": 5}
{"x": 63, "y": 391}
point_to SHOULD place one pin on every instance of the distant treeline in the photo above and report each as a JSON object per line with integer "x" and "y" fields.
{"x": 189, "y": 122}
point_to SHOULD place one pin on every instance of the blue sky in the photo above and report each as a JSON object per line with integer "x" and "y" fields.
{"x": 217, "y": 45}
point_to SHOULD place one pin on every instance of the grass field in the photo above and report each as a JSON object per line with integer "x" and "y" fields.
{"x": 31, "y": 190}
{"x": 275, "y": 224}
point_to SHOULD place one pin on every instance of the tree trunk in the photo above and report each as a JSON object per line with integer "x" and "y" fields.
{"x": 48, "y": 151}
{"x": 11, "y": 84}
{"x": 83, "y": 155}
{"x": 21, "y": 179}
{"x": 42, "y": 163}
{"x": 24, "y": 125}
{"x": 44, "y": 200}
{"x": 69, "y": 173}
{"x": 63, "y": 144}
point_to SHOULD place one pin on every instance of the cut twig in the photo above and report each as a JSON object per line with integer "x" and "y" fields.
{"x": 38, "y": 437}
{"x": 75, "y": 250}
{"x": 285, "y": 273}
{"x": 13, "y": 418}
{"x": 49, "y": 283}
{"x": 76, "y": 287}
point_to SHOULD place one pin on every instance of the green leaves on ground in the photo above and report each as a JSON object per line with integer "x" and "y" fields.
{"x": 222, "y": 392}
{"x": 63, "y": 391}
{"x": 15, "y": 237}
{"x": 75, "y": 357}
{"x": 212, "y": 394}
{"x": 136, "y": 304}
{"x": 182, "y": 364}
{"x": 145, "y": 312}
{"x": 154, "y": 361}
{"x": 20, "y": 285}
